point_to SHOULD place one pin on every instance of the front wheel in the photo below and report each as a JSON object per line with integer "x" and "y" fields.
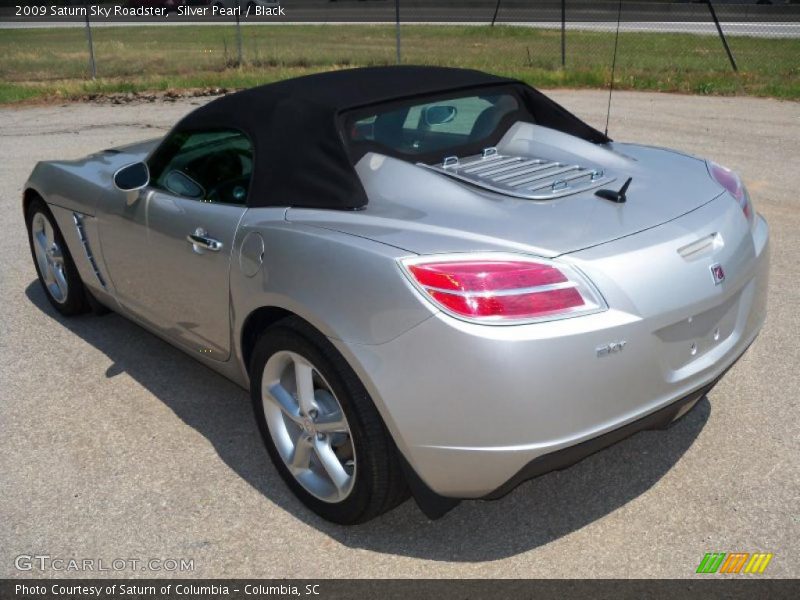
{"x": 54, "y": 265}
{"x": 321, "y": 429}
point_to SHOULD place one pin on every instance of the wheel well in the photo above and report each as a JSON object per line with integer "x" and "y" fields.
{"x": 257, "y": 322}
{"x": 27, "y": 197}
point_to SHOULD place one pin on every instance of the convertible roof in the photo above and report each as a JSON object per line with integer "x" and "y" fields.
{"x": 300, "y": 154}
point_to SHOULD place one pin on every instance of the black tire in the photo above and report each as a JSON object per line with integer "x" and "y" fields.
{"x": 74, "y": 303}
{"x": 379, "y": 485}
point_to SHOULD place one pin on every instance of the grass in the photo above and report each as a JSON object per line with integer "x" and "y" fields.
{"x": 53, "y": 63}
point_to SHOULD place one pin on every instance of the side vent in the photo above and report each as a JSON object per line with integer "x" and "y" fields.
{"x": 77, "y": 218}
{"x": 521, "y": 176}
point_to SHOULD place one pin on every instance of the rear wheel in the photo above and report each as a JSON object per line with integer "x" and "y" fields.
{"x": 320, "y": 427}
{"x": 54, "y": 265}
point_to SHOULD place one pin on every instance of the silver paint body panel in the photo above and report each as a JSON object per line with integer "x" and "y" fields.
{"x": 468, "y": 405}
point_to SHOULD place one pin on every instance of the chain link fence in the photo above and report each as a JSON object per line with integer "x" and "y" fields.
{"x": 734, "y": 46}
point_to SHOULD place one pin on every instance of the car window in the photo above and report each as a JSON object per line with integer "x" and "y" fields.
{"x": 210, "y": 166}
{"x": 423, "y": 128}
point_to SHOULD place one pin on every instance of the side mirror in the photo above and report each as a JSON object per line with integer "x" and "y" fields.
{"x": 132, "y": 177}
{"x": 439, "y": 115}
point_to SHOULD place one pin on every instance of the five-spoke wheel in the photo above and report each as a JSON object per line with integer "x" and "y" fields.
{"x": 320, "y": 426}
{"x": 308, "y": 426}
{"x": 57, "y": 273}
{"x": 49, "y": 257}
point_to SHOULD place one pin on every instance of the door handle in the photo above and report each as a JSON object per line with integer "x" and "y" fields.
{"x": 200, "y": 240}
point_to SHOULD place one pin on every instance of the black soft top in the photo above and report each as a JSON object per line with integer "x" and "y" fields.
{"x": 300, "y": 155}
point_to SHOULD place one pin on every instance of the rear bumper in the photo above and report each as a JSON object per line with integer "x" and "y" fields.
{"x": 566, "y": 457}
{"x": 476, "y": 410}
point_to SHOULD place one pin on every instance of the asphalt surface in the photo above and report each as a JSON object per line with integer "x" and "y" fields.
{"x": 115, "y": 445}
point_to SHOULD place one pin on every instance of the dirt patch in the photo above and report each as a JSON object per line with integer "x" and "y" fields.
{"x": 145, "y": 97}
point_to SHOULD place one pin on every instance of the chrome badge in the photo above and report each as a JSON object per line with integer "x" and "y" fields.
{"x": 718, "y": 273}
{"x": 610, "y": 348}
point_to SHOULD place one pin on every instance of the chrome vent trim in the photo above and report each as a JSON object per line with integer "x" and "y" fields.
{"x": 522, "y": 176}
{"x": 77, "y": 218}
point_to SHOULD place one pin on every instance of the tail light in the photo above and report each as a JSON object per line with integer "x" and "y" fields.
{"x": 733, "y": 183}
{"x": 502, "y": 288}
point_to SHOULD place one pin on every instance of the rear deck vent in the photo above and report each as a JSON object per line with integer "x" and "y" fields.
{"x": 521, "y": 176}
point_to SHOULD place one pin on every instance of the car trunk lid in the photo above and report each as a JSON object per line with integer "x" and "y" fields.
{"x": 415, "y": 208}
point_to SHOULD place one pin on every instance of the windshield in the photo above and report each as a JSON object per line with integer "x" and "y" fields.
{"x": 435, "y": 128}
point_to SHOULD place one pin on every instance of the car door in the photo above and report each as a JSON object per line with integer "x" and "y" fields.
{"x": 168, "y": 247}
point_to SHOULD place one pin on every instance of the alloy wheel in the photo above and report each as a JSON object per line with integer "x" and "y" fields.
{"x": 308, "y": 426}
{"x": 49, "y": 257}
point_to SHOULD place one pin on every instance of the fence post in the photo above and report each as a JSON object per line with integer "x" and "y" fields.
{"x": 563, "y": 33}
{"x": 92, "y": 64}
{"x": 238, "y": 35}
{"x": 722, "y": 35}
{"x": 496, "y": 10}
{"x": 397, "y": 27}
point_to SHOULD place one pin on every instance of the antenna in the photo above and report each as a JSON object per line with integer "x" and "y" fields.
{"x": 613, "y": 66}
{"x": 619, "y": 197}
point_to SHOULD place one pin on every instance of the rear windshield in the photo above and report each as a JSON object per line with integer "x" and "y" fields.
{"x": 456, "y": 125}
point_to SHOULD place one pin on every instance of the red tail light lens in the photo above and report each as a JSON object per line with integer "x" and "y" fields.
{"x": 733, "y": 183}
{"x": 503, "y": 288}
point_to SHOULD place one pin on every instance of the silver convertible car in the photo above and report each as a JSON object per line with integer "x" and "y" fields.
{"x": 434, "y": 282}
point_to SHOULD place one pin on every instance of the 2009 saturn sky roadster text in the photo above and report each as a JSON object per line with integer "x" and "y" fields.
{"x": 433, "y": 281}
